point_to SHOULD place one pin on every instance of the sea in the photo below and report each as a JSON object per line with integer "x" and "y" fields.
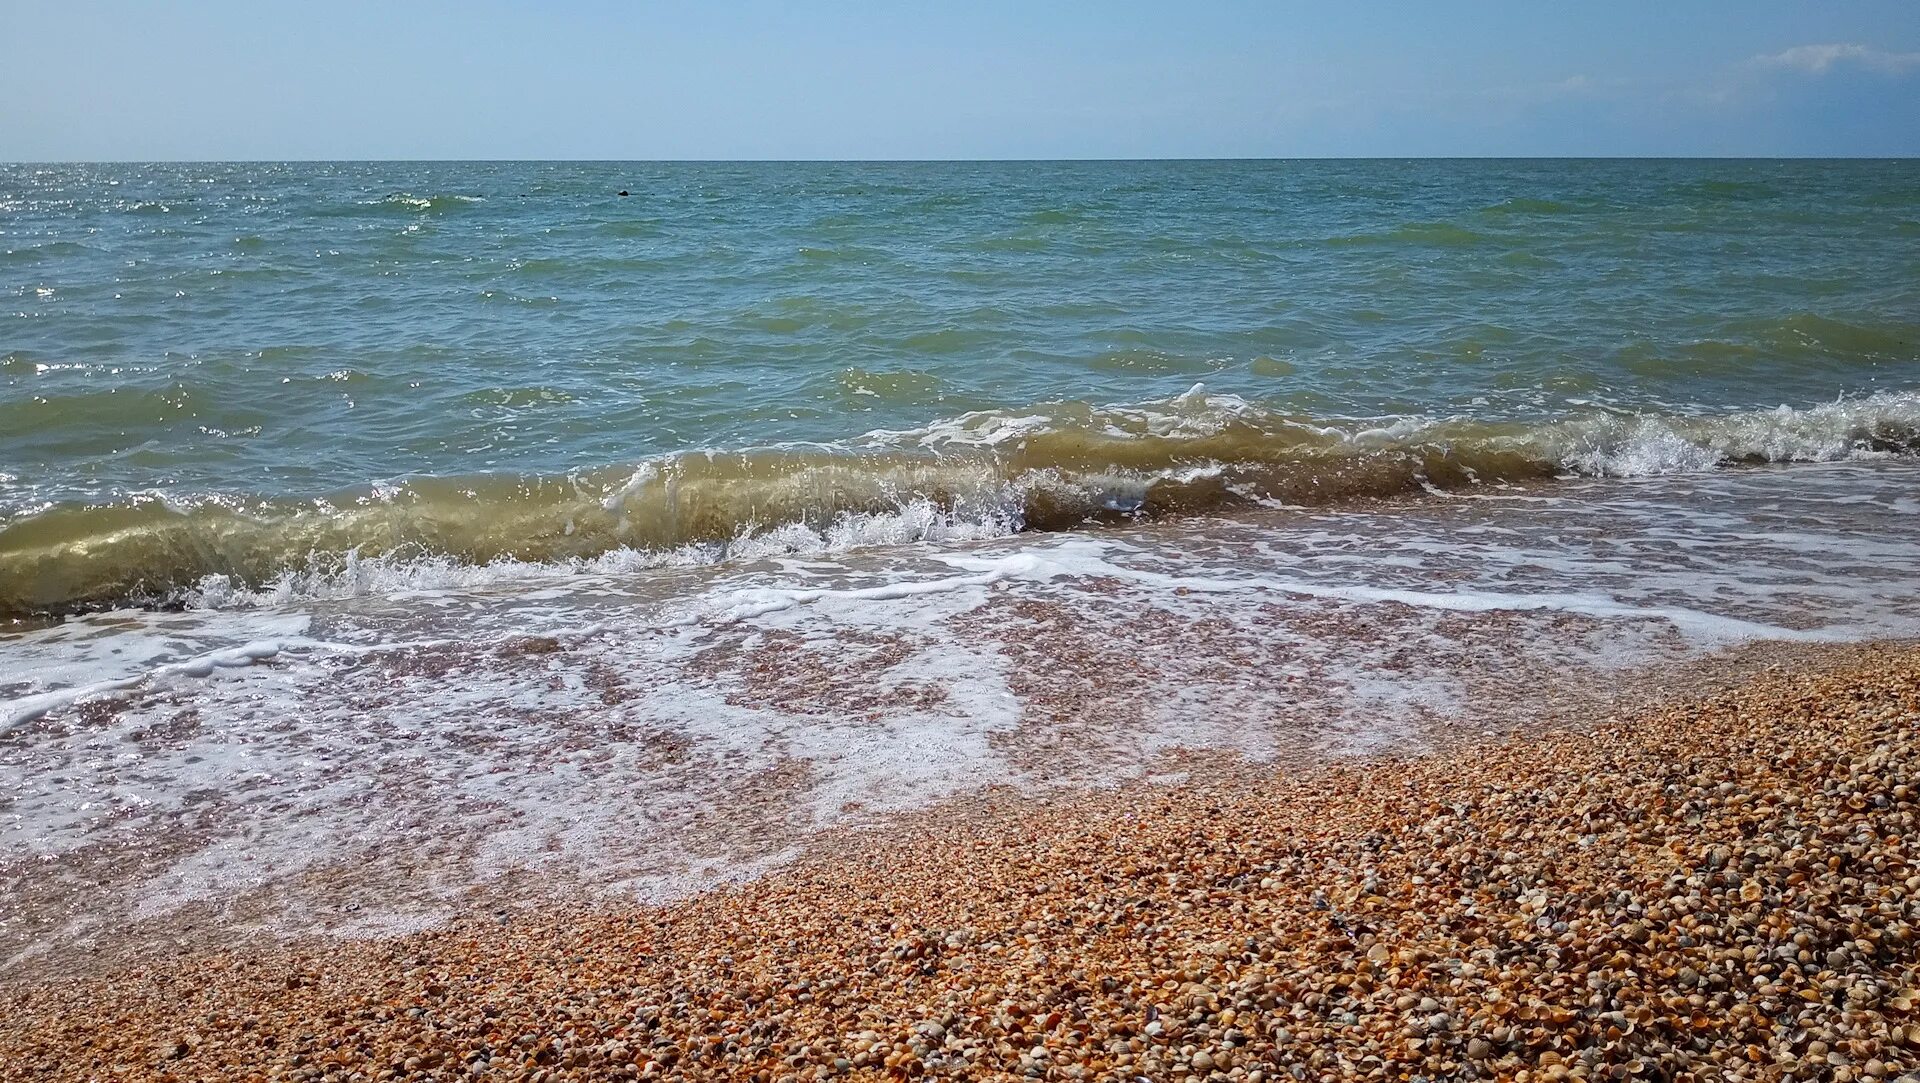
{"x": 377, "y": 537}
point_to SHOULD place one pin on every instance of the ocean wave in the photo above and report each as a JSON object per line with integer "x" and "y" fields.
{"x": 353, "y": 574}
{"x": 431, "y": 203}
{"x": 1052, "y": 466}
{"x": 34, "y": 253}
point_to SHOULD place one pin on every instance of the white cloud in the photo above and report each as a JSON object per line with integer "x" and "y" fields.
{"x": 1818, "y": 59}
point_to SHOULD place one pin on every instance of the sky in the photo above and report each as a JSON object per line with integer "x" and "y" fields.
{"x": 632, "y": 79}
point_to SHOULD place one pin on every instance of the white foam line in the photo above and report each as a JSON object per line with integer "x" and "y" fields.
{"x": 13, "y": 712}
{"x": 748, "y": 604}
{"x": 735, "y": 607}
{"x": 368, "y": 648}
{"x": 1082, "y": 561}
{"x": 28, "y": 708}
{"x": 1086, "y": 563}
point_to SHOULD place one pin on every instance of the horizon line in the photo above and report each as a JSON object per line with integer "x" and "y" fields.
{"x": 988, "y": 161}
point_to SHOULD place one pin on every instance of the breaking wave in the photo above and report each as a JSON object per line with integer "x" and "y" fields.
{"x": 1054, "y": 466}
{"x": 432, "y": 203}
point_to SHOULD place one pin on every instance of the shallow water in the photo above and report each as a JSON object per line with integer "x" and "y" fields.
{"x": 376, "y": 535}
{"x": 365, "y": 762}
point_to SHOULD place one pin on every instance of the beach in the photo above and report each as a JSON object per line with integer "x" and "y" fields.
{"x": 1715, "y": 888}
{"x": 1077, "y": 620}
{"x": 394, "y": 762}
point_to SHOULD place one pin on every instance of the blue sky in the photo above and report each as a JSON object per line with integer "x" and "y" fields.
{"x": 637, "y": 80}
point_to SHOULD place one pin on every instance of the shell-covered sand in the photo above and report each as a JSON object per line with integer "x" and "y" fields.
{"x": 1719, "y": 889}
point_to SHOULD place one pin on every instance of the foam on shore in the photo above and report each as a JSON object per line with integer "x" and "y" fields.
{"x": 617, "y": 731}
{"x": 1705, "y": 889}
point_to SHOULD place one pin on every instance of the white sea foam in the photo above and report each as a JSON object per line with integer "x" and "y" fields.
{"x": 1606, "y": 444}
{"x": 1082, "y": 559}
{"x": 21, "y": 709}
{"x": 956, "y": 481}
{"x": 592, "y": 725}
{"x": 1641, "y": 445}
{"x": 353, "y": 575}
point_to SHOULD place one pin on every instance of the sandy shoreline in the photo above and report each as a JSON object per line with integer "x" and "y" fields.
{"x": 406, "y": 760}
{"x": 99, "y": 911}
{"x": 1716, "y": 889}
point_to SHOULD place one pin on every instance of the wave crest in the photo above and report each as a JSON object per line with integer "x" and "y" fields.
{"x": 1048, "y": 467}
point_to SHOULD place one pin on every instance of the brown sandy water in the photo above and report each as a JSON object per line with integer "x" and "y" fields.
{"x": 412, "y": 751}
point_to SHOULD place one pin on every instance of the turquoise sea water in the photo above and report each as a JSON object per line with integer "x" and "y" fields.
{"x": 254, "y": 371}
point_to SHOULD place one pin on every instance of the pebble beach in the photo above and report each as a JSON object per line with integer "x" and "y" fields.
{"x": 1203, "y": 620}
{"x": 1716, "y": 888}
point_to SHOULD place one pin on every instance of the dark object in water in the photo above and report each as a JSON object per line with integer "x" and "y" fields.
{"x": 623, "y": 191}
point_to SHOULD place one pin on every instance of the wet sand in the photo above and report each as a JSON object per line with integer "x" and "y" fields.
{"x": 1715, "y": 888}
